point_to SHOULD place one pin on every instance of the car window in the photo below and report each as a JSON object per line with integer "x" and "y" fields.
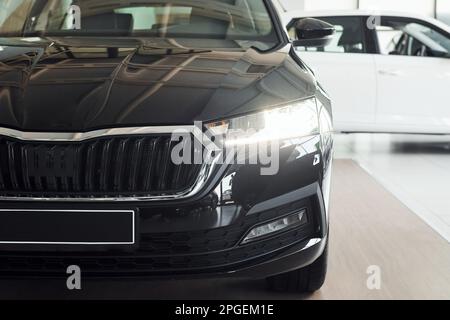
{"x": 411, "y": 38}
{"x": 146, "y": 18}
{"x": 247, "y": 22}
{"x": 349, "y": 36}
{"x": 388, "y": 38}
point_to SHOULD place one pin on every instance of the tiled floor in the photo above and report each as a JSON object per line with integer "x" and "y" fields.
{"x": 414, "y": 168}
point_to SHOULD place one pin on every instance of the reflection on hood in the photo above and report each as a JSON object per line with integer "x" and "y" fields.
{"x": 73, "y": 85}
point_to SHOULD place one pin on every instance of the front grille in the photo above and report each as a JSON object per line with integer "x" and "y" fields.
{"x": 129, "y": 166}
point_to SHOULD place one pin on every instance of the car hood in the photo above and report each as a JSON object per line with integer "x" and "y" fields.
{"x": 74, "y": 86}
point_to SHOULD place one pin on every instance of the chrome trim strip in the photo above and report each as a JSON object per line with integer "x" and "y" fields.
{"x": 312, "y": 243}
{"x": 204, "y": 175}
{"x": 83, "y": 136}
{"x": 133, "y": 214}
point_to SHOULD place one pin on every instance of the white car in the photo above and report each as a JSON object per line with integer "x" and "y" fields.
{"x": 385, "y": 71}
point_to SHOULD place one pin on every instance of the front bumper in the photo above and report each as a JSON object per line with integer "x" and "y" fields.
{"x": 196, "y": 243}
{"x": 201, "y": 236}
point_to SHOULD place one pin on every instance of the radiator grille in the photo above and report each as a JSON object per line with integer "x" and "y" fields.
{"x": 104, "y": 167}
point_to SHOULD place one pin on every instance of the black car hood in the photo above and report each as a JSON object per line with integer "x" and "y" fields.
{"x": 56, "y": 85}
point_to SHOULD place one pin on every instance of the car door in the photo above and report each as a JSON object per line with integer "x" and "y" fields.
{"x": 413, "y": 77}
{"x": 346, "y": 69}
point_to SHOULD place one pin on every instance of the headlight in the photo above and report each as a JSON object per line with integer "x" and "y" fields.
{"x": 295, "y": 120}
{"x": 291, "y": 221}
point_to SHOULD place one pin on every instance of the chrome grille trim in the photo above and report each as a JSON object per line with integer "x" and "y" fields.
{"x": 203, "y": 177}
{"x": 83, "y": 136}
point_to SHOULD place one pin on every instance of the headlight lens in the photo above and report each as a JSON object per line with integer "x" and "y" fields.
{"x": 295, "y": 120}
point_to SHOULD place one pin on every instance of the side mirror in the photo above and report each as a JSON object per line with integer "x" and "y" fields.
{"x": 313, "y": 33}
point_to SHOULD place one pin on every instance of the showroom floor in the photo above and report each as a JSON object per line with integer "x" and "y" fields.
{"x": 415, "y": 168}
{"x": 378, "y": 219}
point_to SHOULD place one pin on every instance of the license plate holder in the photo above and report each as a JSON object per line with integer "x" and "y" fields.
{"x": 67, "y": 227}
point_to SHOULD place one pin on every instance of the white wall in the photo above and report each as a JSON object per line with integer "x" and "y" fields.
{"x": 293, "y": 4}
{"x": 416, "y": 6}
{"x": 426, "y": 7}
{"x": 443, "y": 10}
{"x": 331, "y": 4}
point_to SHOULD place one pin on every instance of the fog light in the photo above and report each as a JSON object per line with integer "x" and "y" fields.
{"x": 288, "y": 222}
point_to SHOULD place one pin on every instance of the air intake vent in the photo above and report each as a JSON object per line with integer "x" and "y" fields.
{"x": 99, "y": 168}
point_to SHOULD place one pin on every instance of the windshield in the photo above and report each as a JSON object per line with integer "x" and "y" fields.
{"x": 430, "y": 36}
{"x": 237, "y": 20}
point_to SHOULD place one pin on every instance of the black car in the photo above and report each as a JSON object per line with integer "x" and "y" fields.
{"x": 96, "y": 98}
